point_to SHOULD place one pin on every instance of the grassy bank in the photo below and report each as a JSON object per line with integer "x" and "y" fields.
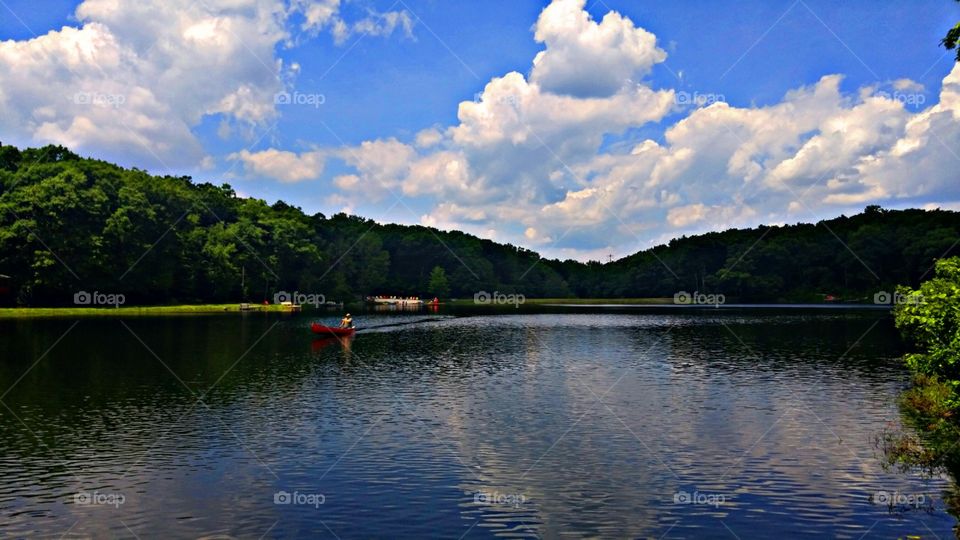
{"x": 132, "y": 311}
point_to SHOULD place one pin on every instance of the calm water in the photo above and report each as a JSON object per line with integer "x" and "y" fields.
{"x": 711, "y": 424}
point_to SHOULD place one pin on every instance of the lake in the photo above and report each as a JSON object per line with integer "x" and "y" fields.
{"x": 539, "y": 422}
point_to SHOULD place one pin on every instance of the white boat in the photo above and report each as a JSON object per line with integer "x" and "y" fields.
{"x": 396, "y": 300}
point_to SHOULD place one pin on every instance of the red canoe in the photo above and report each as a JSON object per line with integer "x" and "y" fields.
{"x": 331, "y": 330}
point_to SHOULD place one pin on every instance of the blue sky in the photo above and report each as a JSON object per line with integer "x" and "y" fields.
{"x": 385, "y": 71}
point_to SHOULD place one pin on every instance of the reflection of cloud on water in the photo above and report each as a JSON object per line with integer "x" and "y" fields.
{"x": 553, "y": 382}
{"x": 771, "y": 435}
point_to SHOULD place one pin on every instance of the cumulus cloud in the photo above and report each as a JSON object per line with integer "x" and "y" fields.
{"x": 907, "y": 85}
{"x": 922, "y": 161}
{"x": 584, "y": 58}
{"x": 281, "y": 165}
{"x": 725, "y": 166}
{"x": 134, "y": 78}
{"x": 428, "y": 137}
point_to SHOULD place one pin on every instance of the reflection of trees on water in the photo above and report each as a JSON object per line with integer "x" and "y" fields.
{"x": 387, "y": 308}
{"x": 927, "y": 441}
{"x": 673, "y": 400}
{"x": 813, "y": 370}
{"x": 858, "y": 344}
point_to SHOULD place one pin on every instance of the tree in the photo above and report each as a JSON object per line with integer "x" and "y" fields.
{"x": 930, "y": 319}
{"x": 438, "y": 285}
{"x": 372, "y": 262}
{"x": 950, "y": 40}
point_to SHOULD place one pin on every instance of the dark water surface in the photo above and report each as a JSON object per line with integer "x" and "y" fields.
{"x": 711, "y": 424}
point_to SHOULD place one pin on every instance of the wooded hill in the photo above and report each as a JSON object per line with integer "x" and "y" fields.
{"x": 69, "y": 224}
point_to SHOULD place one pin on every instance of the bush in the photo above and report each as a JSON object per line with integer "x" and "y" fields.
{"x": 929, "y": 319}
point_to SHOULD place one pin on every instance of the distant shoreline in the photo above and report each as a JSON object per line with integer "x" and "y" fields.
{"x": 212, "y": 309}
{"x": 133, "y": 311}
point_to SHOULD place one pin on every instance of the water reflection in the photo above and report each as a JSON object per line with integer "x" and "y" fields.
{"x": 344, "y": 342}
{"x": 590, "y": 424}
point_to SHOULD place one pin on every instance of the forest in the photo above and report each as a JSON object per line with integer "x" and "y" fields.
{"x": 69, "y": 223}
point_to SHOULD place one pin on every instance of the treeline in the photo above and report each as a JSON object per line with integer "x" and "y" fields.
{"x": 846, "y": 258}
{"x": 69, "y": 224}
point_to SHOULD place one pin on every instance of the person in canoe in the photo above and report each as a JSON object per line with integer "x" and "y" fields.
{"x": 346, "y": 321}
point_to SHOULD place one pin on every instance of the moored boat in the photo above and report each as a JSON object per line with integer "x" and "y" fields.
{"x": 395, "y": 300}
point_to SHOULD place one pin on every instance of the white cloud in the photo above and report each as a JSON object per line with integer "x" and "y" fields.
{"x": 923, "y": 160}
{"x": 907, "y": 85}
{"x": 428, "y": 137}
{"x": 683, "y": 216}
{"x": 382, "y": 24}
{"x": 346, "y": 181}
{"x": 318, "y": 13}
{"x": 584, "y": 58}
{"x": 325, "y": 15}
{"x": 380, "y": 164}
{"x": 134, "y": 78}
{"x": 283, "y": 166}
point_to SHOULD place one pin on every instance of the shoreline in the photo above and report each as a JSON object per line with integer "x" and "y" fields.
{"x": 134, "y": 311}
{"x": 214, "y": 309}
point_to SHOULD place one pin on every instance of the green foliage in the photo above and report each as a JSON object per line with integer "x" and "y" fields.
{"x": 438, "y": 285}
{"x": 850, "y": 258}
{"x": 950, "y": 40}
{"x": 929, "y": 318}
